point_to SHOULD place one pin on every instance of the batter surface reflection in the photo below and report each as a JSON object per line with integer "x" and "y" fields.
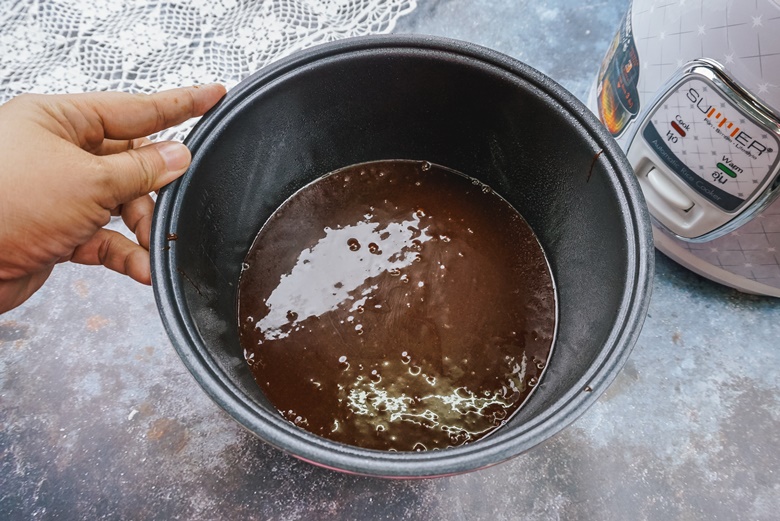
{"x": 397, "y": 305}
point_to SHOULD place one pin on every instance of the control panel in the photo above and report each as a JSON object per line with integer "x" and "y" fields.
{"x": 706, "y": 156}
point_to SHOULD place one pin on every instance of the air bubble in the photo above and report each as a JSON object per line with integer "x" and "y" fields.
{"x": 404, "y": 279}
{"x": 425, "y": 166}
{"x": 292, "y": 316}
{"x": 540, "y": 365}
{"x": 444, "y": 238}
{"x": 353, "y": 244}
{"x": 374, "y": 248}
{"x": 250, "y": 319}
{"x": 416, "y": 245}
{"x": 419, "y": 213}
{"x": 394, "y": 272}
{"x": 360, "y": 309}
{"x": 244, "y": 266}
{"x": 458, "y": 439}
{"x": 414, "y": 370}
{"x": 532, "y": 382}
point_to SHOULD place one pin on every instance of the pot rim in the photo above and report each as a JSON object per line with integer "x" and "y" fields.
{"x": 494, "y": 449}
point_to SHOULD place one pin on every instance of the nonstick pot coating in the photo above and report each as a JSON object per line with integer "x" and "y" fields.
{"x": 401, "y": 97}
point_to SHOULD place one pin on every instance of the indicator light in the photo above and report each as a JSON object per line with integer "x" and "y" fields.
{"x": 729, "y": 172}
{"x": 678, "y": 128}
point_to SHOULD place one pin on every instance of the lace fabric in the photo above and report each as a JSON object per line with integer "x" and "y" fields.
{"x": 146, "y": 46}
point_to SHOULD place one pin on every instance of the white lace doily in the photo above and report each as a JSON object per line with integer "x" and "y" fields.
{"x": 145, "y": 46}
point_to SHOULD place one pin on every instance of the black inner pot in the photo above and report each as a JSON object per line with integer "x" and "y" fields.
{"x": 447, "y": 102}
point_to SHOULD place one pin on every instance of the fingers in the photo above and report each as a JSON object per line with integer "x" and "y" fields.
{"x": 127, "y": 116}
{"x": 134, "y": 173}
{"x": 116, "y": 252}
{"x": 137, "y": 215}
{"x": 115, "y": 146}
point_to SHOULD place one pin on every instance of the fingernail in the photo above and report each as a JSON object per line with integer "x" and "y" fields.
{"x": 217, "y": 87}
{"x": 142, "y": 142}
{"x": 208, "y": 85}
{"x": 175, "y": 155}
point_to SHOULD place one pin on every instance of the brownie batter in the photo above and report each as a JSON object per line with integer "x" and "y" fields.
{"x": 397, "y": 305}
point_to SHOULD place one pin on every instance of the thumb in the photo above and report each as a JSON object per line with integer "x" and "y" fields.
{"x": 133, "y": 173}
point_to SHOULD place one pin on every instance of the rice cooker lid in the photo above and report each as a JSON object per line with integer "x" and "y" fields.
{"x": 742, "y": 37}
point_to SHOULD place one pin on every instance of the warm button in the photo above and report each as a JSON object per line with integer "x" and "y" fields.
{"x": 668, "y": 190}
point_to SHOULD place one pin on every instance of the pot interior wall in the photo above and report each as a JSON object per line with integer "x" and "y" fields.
{"x": 401, "y": 104}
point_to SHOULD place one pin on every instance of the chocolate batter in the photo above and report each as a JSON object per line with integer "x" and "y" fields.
{"x": 397, "y": 305}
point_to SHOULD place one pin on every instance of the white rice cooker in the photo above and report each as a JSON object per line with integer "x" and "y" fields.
{"x": 691, "y": 91}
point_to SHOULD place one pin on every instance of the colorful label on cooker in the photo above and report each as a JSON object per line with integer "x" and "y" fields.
{"x": 617, "y": 96}
{"x": 710, "y": 144}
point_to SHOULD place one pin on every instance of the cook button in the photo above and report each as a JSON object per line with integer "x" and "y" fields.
{"x": 668, "y": 190}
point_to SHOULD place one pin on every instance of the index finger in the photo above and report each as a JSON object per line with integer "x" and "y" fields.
{"x": 128, "y": 116}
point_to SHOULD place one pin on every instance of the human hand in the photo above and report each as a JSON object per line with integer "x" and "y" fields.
{"x": 68, "y": 162}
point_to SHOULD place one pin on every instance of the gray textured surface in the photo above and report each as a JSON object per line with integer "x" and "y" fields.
{"x": 100, "y": 418}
